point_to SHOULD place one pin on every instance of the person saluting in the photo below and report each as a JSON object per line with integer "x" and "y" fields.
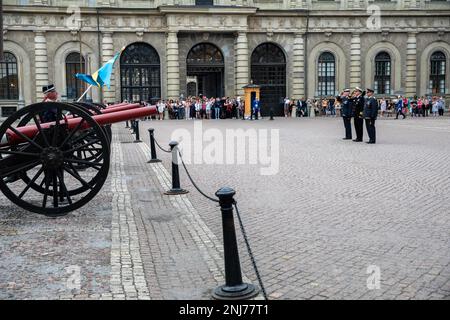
{"x": 346, "y": 113}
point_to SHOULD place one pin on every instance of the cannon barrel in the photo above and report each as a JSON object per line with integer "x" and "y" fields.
{"x": 121, "y": 108}
{"x": 103, "y": 119}
{"x": 117, "y": 105}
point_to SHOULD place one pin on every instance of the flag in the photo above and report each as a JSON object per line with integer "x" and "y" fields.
{"x": 102, "y": 76}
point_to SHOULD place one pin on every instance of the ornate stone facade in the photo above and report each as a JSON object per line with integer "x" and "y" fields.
{"x": 42, "y": 33}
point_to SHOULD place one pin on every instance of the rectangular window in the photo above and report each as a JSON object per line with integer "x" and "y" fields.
{"x": 437, "y": 76}
{"x": 326, "y": 81}
{"x": 382, "y": 77}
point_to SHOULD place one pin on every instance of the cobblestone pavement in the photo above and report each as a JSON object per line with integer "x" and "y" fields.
{"x": 334, "y": 209}
{"x": 40, "y": 257}
{"x": 130, "y": 242}
{"x": 338, "y": 209}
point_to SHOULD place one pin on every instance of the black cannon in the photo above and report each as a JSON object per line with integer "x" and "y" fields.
{"x": 54, "y": 157}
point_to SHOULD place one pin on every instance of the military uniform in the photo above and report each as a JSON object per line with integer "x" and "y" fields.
{"x": 370, "y": 115}
{"x": 358, "y": 108}
{"x": 255, "y": 110}
{"x": 347, "y": 113}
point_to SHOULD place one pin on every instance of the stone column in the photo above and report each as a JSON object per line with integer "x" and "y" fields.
{"x": 298, "y": 66}
{"x": 107, "y": 53}
{"x": 355, "y": 61}
{"x": 411, "y": 65}
{"x": 41, "y": 63}
{"x": 242, "y": 60}
{"x": 173, "y": 66}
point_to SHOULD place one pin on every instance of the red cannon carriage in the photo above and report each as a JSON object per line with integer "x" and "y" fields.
{"x": 54, "y": 157}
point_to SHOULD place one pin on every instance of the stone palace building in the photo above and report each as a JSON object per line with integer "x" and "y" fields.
{"x": 293, "y": 48}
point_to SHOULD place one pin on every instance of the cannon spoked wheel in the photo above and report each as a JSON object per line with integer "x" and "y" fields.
{"x": 48, "y": 156}
{"x": 86, "y": 155}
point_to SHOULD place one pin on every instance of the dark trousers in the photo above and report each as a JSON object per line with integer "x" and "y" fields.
{"x": 400, "y": 112}
{"x": 348, "y": 127}
{"x": 370, "y": 126}
{"x": 359, "y": 127}
{"x": 254, "y": 113}
{"x": 441, "y": 112}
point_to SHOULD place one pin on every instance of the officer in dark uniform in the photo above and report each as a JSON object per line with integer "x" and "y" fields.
{"x": 370, "y": 115}
{"x": 357, "y": 102}
{"x": 347, "y": 113}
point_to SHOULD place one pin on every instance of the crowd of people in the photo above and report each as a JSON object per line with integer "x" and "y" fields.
{"x": 202, "y": 107}
{"x": 388, "y": 107}
{"x": 415, "y": 107}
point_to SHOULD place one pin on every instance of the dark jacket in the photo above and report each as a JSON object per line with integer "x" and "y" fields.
{"x": 346, "y": 107}
{"x": 358, "y": 106}
{"x": 371, "y": 108}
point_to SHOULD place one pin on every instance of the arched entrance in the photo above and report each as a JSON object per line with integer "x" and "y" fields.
{"x": 205, "y": 62}
{"x": 268, "y": 70}
{"x": 140, "y": 73}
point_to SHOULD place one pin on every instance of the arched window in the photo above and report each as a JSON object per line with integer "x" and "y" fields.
{"x": 268, "y": 70}
{"x": 140, "y": 73}
{"x": 437, "y": 72}
{"x": 74, "y": 86}
{"x": 382, "y": 80}
{"x": 205, "y": 62}
{"x": 9, "y": 84}
{"x": 326, "y": 75}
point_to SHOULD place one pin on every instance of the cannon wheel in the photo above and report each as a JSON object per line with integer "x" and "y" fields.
{"x": 90, "y": 108}
{"x": 50, "y": 160}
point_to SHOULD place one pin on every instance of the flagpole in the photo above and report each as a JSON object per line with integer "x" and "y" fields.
{"x": 84, "y": 93}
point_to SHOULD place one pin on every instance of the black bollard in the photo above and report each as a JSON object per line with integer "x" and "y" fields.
{"x": 154, "y": 158}
{"x": 234, "y": 288}
{"x": 136, "y": 131}
{"x": 126, "y": 124}
{"x": 176, "y": 189}
{"x": 271, "y": 113}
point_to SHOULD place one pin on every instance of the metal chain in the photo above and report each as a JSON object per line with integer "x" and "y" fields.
{"x": 192, "y": 181}
{"x": 250, "y": 253}
{"x": 162, "y": 149}
{"x": 244, "y": 234}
